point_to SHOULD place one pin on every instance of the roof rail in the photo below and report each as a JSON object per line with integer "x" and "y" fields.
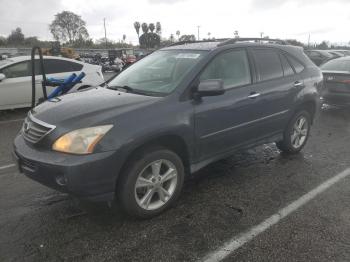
{"x": 235, "y": 40}
{"x": 200, "y": 41}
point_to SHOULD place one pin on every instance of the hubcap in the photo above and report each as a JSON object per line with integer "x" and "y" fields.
{"x": 299, "y": 132}
{"x": 156, "y": 184}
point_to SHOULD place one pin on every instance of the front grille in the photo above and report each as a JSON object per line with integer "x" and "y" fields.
{"x": 34, "y": 130}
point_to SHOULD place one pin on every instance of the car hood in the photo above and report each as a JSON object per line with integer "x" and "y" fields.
{"x": 91, "y": 107}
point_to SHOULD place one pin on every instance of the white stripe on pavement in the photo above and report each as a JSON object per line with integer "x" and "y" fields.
{"x": 241, "y": 239}
{"x": 7, "y": 166}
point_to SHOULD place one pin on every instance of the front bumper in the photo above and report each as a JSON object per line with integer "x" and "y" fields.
{"x": 91, "y": 177}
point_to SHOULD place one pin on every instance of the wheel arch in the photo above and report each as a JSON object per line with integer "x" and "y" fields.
{"x": 171, "y": 142}
{"x": 310, "y": 106}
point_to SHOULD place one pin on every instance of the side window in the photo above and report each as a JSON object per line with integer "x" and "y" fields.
{"x": 296, "y": 64}
{"x": 232, "y": 67}
{"x": 287, "y": 69}
{"x": 268, "y": 64}
{"x": 53, "y": 66}
{"x": 17, "y": 70}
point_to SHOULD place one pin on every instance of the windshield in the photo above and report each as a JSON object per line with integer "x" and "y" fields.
{"x": 337, "y": 65}
{"x": 158, "y": 73}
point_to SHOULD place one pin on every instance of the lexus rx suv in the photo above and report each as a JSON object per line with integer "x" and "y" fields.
{"x": 168, "y": 115}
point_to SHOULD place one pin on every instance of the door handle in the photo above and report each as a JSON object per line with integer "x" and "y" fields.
{"x": 298, "y": 84}
{"x": 254, "y": 95}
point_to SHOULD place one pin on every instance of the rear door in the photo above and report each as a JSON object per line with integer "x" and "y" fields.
{"x": 275, "y": 89}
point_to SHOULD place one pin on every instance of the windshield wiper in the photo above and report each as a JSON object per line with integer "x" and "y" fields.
{"x": 126, "y": 88}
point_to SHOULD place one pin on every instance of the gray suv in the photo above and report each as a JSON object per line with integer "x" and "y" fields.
{"x": 168, "y": 115}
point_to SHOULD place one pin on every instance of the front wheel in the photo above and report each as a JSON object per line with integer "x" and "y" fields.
{"x": 296, "y": 134}
{"x": 151, "y": 183}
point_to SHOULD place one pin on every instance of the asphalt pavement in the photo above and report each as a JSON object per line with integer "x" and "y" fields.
{"x": 218, "y": 203}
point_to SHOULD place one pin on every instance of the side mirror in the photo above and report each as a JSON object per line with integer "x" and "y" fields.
{"x": 2, "y": 77}
{"x": 211, "y": 87}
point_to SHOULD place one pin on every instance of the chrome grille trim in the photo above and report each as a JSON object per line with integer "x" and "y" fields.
{"x": 33, "y": 129}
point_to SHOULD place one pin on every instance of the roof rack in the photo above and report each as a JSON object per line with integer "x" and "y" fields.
{"x": 257, "y": 40}
{"x": 200, "y": 41}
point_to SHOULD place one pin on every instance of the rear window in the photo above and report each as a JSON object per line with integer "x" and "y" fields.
{"x": 298, "y": 67}
{"x": 53, "y": 66}
{"x": 337, "y": 65}
{"x": 268, "y": 64}
{"x": 287, "y": 68}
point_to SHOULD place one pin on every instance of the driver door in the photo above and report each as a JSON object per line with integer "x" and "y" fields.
{"x": 226, "y": 121}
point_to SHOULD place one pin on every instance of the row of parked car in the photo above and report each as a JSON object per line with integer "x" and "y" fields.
{"x": 319, "y": 57}
{"x": 335, "y": 66}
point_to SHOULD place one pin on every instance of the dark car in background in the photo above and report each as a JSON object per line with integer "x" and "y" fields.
{"x": 335, "y": 54}
{"x": 336, "y": 74}
{"x": 344, "y": 52}
{"x": 170, "y": 114}
{"x": 319, "y": 57}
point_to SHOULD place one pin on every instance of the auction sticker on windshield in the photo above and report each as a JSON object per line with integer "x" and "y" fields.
{"x": 188, "y": 55}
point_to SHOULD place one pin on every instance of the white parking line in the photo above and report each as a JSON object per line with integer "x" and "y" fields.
{"x": 7, "y": 166}
{"x": 11, "y": 121}
{"x": 241, "y": 239}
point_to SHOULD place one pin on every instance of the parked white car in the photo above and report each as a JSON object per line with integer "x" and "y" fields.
{"x": 15, "y": 78}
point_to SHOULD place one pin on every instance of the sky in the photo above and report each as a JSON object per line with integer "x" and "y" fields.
{"x": 285, "y": 19}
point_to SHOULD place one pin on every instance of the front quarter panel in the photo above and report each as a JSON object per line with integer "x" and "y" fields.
{"x": 169, "y": 117}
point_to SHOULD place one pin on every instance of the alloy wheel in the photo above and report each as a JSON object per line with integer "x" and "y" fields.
{"x": 299, "y": 132}
{"x": 156, "y": 184}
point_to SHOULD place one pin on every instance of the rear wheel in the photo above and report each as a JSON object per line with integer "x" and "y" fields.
{"x": 296, "y": 134}
{"x": 151, "y": 183}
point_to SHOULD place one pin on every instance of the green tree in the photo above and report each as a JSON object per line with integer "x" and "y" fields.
{"x": 151, "y": 27}
{"x": 137, "y": 28}
{"x": 294, "y": 42}
{"x": 68, "y": 26}
{"x": 323, "y": 45}
{"x": 16, "y": 37}
{"x": 158, "y": 28}
{"x": 3, "y": 41}
{"x": 178, "y": 34}
{"x": 144, "y": 28}
{"x": 31, "y": 41}
{"x": 187, "y": 38}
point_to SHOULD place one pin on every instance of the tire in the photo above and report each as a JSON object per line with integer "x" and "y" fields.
{"x": 290, "y": 144}
{"x": 139, "y": 189}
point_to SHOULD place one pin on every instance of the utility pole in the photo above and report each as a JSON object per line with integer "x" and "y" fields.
{"x": 308, "y": 42}
{"x": 104, "y": 25}
{"x": 198, "y": 26}
{"x": 261, "y": 34}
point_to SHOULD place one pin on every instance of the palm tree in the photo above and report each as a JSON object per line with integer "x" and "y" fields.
{"x": 178, "y": 34}
{"x": 137, "y": 28}
{"x": 144, "y": 28}
{"x": 151, "y": 27}
{"x": 158, "y": 28}
{"x": 171, "y": 38}
{"x": 209, "y": 35}
{"x": 124, "y": 37}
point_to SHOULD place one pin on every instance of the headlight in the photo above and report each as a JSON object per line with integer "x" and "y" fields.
{"x": 81, "y": 141}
